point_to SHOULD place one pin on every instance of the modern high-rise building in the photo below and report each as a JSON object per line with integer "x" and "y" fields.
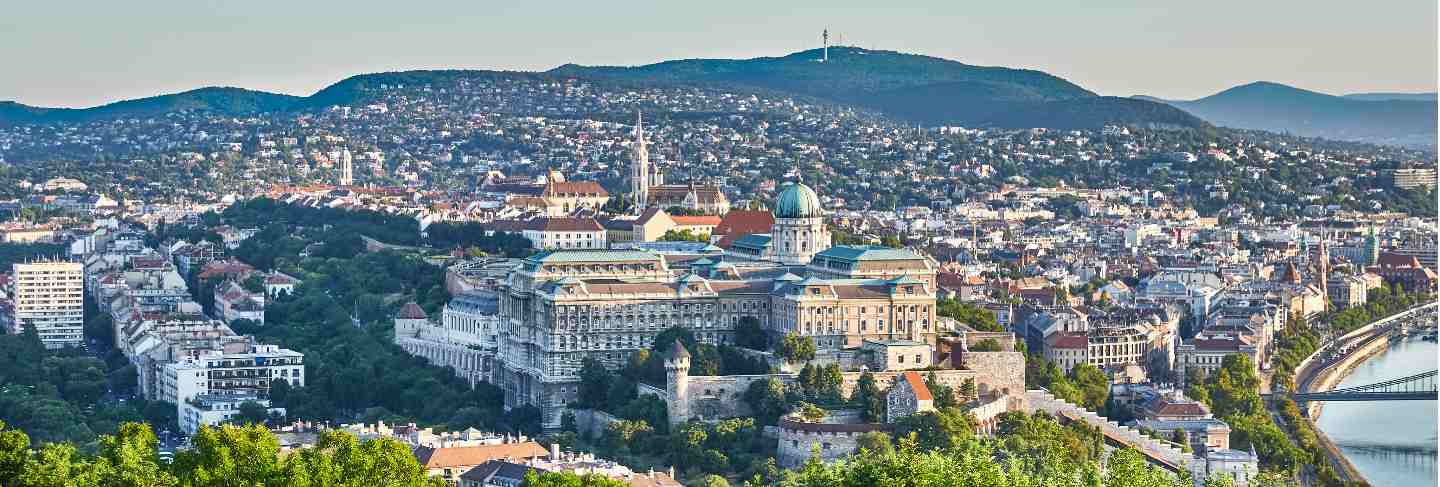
{"x": 50, "y": 297}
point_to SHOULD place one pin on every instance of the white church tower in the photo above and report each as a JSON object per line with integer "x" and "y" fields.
{"x": 640, "y": 170}
{"x": 347, "y": 169}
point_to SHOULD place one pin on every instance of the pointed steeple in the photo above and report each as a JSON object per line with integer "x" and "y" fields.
{"x": 640, "y": 184}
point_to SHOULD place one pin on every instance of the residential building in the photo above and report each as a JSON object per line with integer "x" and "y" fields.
{"x": 50, "y": 296}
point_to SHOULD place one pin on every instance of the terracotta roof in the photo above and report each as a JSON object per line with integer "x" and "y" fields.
{"x": 566, "y": 224}
{"x": 696, "y": 220}
{"x": 411, "y": 311}
{"x": 433, "y": 458}
{"x": 1387, "y": 259}
{"x": 1068, "y": 340}
{"x": 917, "y": 384}
{"x": 576, "y": 188}
{"x": 1164, "y": 407}
{"x": 743, "y": 222}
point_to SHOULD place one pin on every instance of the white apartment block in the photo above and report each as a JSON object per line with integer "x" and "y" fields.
{"x": 50, "y": 297}
{"x": 217, "y": 372}
{"x": 213, "y": 409}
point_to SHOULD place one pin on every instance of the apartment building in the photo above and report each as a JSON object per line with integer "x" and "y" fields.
{"x": 50, "y": 297}
{"x": 219, "y": 372}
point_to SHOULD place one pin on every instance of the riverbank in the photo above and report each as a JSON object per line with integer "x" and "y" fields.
{"x": 1381, "y": 438}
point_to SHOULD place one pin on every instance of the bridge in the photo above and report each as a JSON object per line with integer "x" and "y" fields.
{"x": 1418, "y": 387}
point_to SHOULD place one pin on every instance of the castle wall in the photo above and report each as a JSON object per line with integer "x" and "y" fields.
{"x": 797, "y": 441}
{"x": 719, "y": 397}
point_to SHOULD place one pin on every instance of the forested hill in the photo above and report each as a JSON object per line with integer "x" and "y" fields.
{"x": 1396, "y": 119}
{"x": 220, "y": 100}
{"x": 911, "y": 87}
{"x": 919, "y": 88}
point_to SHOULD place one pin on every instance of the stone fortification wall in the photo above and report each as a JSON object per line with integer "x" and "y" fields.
{"x": 830, "y": 440}
{"x": 718, "y": 397}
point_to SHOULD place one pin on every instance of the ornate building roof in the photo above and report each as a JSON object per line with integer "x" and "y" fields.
{"x": 798, "y": 201}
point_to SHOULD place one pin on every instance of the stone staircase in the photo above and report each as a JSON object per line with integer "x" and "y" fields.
{"x": 1156, "y": 450}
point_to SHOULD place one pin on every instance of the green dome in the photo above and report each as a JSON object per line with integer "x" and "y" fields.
{"x": 798, "y": 201}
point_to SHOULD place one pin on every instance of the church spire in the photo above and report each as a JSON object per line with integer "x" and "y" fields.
{"x": 640, "y": 174}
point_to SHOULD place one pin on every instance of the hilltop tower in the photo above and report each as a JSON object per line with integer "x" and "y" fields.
{"x": 677, "y": 382}
{"x": 825, "y": 41}
{"x": 640, "y": 170}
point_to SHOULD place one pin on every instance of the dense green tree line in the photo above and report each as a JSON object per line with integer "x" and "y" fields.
{"x": 471, "y": 235}
{"x": 340, "y": 317}
{"x": 55, "y": 395}
{"x": 385, "y": 227}
{"x": 976, "y": 317}
{"x": 223, "y": 457}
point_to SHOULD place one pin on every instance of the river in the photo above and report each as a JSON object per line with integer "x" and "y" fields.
{"x": 1392, "y": 443}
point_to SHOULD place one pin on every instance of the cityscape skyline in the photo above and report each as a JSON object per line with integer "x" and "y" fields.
{"x": 1119, "y": 50}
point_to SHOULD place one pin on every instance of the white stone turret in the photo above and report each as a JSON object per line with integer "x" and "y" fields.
{"x": 677, "y": 382}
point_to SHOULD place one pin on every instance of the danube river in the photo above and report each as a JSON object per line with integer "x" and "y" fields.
{"x": 1393, "y": 443}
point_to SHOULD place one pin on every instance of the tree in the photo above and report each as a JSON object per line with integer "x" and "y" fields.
{"x": 567, "y": 479}
{"x": 944, "y": 396}
{"x": 748, "y": 334}
{"x": 987, "y": 345}
{"x": 14, "y": 454}
{"x": 868, "y": 398}
{"x": 937, "y": 430}
{"x": 810, "y": 412}
{"x": 712, "y": 480}
{"x": 967, "y": 390}
{"x": 594, "y": 383}
{"x": 797, "y": 348}
{"x": 1092, "y": 384}
{"x": 252, "y": 412}
{"x": 875, "y": 442}
{"x": 976, "y": 317}
{"x": 248, "y": 452}
{"x": 767, "y": 400}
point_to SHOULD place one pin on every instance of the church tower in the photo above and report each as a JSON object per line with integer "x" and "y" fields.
{"x": 640, "y": 168}
{"x": 347, "y": 171}
{"x": 800, "y": 231}
{"x": 677, "y": 382}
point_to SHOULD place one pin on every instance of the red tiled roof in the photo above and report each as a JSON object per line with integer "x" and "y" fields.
{"x": 566, "y": 224}
{"x": 1387, "y": 259}
{"x": 433, "y": 458}
{"x": 696, "y": 220}
{"x": 411, "y": 311}
{"x": 578, "y": 188}
{"x": 1068, "y": 340}
{"x": 743, "y": 222}
{"x": 917, "y": 384}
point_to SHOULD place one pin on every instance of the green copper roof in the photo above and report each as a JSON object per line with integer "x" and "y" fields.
{"x": 556, "y": 256}
{"x": 752, "y": 241}
{"x": 866, "y": 252}
{"x": 798, "y": 201}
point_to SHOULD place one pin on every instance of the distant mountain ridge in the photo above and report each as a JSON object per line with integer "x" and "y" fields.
{"x": 919, "y": 88}
{"x": 1388, "y": 118}
{"x": 226, "y": 100}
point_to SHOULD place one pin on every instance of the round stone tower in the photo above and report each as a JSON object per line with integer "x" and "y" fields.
{"x": 677, "y": 382}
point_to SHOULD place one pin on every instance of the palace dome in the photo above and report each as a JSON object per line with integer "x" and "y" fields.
{"x": 798, "y": 201}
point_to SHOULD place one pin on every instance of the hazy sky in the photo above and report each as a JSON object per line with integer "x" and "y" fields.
{"x": 84, "y": 53}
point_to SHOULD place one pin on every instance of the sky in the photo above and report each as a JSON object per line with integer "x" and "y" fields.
{"x": 77, "y": 53}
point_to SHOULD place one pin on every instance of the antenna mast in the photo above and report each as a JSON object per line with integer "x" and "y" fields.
{"x": 825, "y": 40}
